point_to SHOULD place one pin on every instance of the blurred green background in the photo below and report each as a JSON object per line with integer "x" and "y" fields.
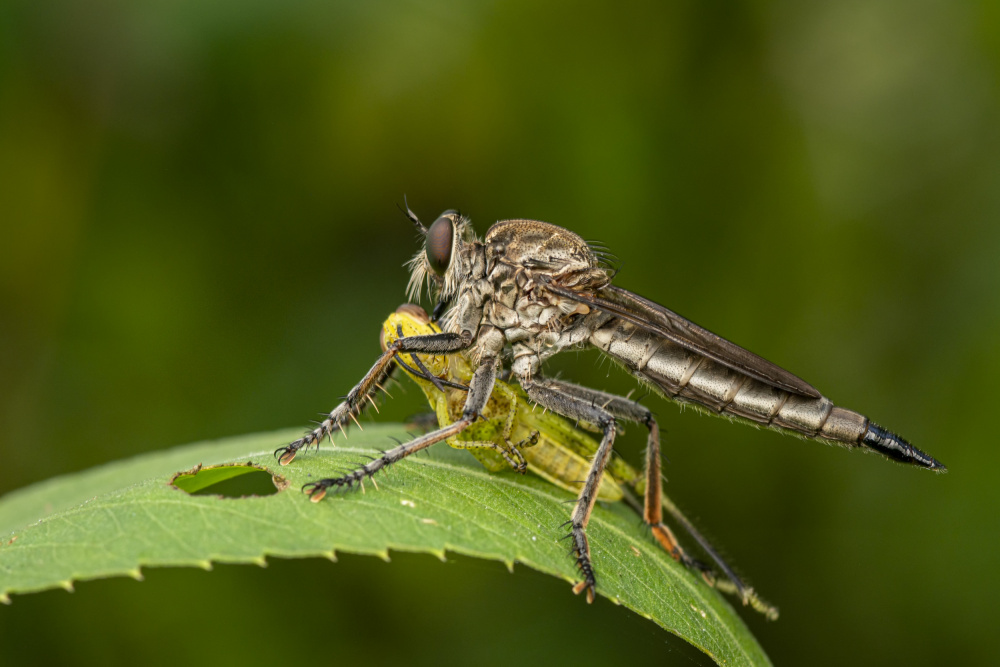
{"x": 199, "y": 238}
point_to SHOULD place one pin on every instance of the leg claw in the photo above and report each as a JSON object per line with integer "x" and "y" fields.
{"x": 585, "y": 586}
{"x": 315, "y": 490}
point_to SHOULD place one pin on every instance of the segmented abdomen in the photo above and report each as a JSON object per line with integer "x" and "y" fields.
{"x": 689, "y": 377}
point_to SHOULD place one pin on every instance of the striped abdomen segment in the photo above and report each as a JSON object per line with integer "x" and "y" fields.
{"x": 691, "y": 378}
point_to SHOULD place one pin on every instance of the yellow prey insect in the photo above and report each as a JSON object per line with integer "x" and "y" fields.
{"x": 513, "y": 434}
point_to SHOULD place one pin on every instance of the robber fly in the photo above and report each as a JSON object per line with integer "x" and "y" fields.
{"x": 529, "y": 290}
{"x": 511, "y": 434}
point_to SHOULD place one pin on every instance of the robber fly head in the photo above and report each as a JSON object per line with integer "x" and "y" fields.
{"x": 443, "y": 263}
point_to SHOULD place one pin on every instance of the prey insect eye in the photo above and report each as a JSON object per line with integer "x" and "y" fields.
{"x": 439, "y": 241}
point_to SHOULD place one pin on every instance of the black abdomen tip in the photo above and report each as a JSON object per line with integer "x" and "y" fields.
{"x": 897, "y": 449}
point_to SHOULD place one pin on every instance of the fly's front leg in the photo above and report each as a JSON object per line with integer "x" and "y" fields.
{"x": 554, "y": 398}
{"x": 317, "y": 490}
{"x": 354, "y": 403}
{"x": 479, "y": 392}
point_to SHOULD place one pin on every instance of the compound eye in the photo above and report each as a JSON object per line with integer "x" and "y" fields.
{"x": 438, "y": 244}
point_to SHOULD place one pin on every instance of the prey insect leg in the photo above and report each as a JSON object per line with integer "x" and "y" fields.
{"x": 498, "y": 430}
{"x": 354, "y": 403}
{"x": 532, "y": 438}
{"x": 511, "y": 455}
{"x": 479, "y": 392}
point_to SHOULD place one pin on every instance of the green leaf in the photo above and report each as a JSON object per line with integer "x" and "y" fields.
{"x": 211, "y": 480}
{"x": 115, "y": 519}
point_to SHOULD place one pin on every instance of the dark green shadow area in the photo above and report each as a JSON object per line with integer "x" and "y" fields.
{"x": 227, "y": 481}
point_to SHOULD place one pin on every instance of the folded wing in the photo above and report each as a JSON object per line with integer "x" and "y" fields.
{"x": 660, "y": 321}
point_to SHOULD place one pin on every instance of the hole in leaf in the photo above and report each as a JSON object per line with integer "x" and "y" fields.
{"x": 229, "y": 481}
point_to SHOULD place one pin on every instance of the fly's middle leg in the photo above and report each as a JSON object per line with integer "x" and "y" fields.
{"x": 652, "y": 511}
{"x": 554, "y": 398}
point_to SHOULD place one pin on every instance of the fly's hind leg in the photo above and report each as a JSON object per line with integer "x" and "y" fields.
{"x": 732, "y": 585}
